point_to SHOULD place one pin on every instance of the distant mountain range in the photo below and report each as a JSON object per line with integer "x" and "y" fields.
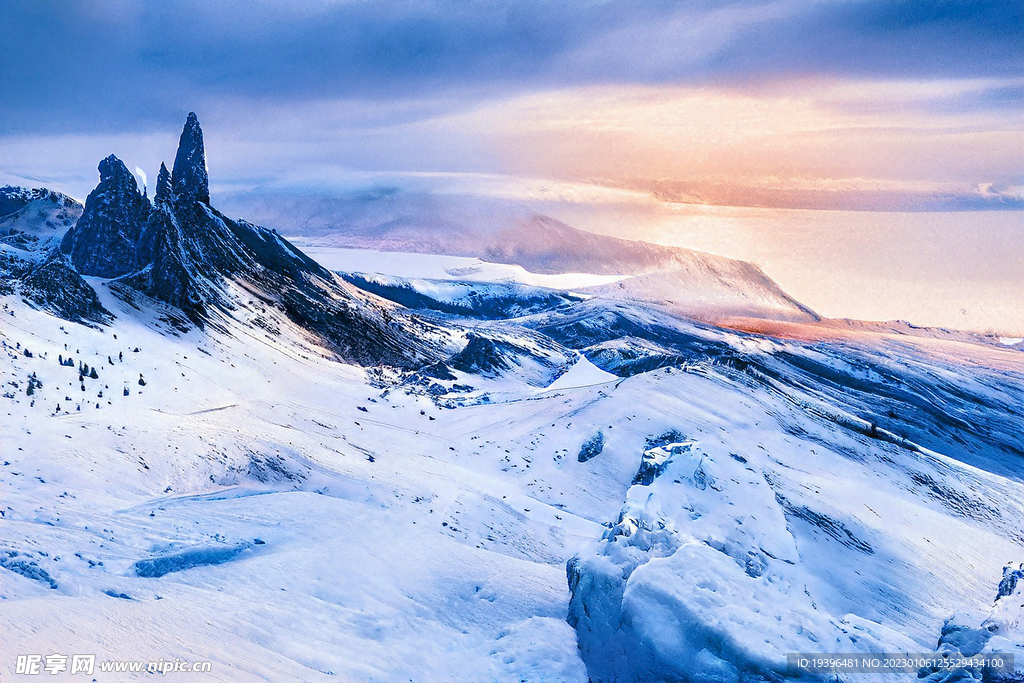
{"x": 698, "y": 284}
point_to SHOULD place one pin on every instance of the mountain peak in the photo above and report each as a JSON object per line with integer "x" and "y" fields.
{"x": 112, "y": 170}
{"x": 102, "y": 243}
{"x": 163, "y": 185}
{"x": 189, "y": 178}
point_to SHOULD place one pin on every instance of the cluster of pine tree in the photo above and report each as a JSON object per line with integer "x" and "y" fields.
{"x": 85, "y": 371}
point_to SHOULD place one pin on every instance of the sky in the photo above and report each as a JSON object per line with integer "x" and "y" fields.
{"x": 615, "y": 113}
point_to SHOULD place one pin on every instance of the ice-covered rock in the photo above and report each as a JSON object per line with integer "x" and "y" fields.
{"x": 592, "y": 447}
{"x": 700, "y": 580}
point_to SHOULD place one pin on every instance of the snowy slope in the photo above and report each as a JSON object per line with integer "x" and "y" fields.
{"x": 289, "y": 517}
{"x": 488, "y": 300}
{"x": 710, "y": 288}
{"x": 34, "y": 221}
{"x": 443, "y": 267}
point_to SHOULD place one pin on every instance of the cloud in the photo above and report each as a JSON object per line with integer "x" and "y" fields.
{"x": 736, "y": 101}
{"x": 128, "y": 64}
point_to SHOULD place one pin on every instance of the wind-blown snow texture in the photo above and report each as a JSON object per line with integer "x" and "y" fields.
{"x": 543, "y": 486}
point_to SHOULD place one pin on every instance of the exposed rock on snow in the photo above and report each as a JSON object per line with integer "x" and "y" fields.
{"x": 55, "y": 286}
{"x": 591, "y": 448}
{"x": 187, "y": 559}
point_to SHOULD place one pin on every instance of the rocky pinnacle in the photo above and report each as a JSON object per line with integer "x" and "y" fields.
{"x": 163, "y": 185}
{"x": 189, "y": 178}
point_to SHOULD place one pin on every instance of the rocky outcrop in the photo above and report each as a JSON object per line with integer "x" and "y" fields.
{"x": 482, "y": 355}
{"x": 184, "y": 253}
{"x": 167, "y": 276}
{"x": 103, "y": 242}
{"x": 592, "y": 447}
{"x": 56, "y": 286}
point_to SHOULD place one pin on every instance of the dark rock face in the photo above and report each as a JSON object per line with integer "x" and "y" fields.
{"x": 1008, "y": 584}
{"x": 103, "y": 241}
{"x": 592, "y": 447}
{"x": 56, "y": 286}
{"x": 482, "y": 355}
{"x": 167, "y": 278}
{"x": 189, "y": 178}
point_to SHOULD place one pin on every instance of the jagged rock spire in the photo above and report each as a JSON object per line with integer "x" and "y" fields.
{"x": 183, "y": 252}
{"x": 163, "y": 185}
{"x": 189, "y": 178}
{"x": 103, "y": 241}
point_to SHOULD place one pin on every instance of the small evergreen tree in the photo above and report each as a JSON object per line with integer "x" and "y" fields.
{"x": 142, "y": 382}
{"x": 92, "y": 373}
{"x": 126, "y": 392}
{"x": 31, "y": 388}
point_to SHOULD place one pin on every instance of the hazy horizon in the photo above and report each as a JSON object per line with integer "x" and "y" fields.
{"x": 741, "y": 128}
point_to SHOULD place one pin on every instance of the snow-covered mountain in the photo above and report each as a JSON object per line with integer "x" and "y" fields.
{"x": 180, "y": 253}
{"x": 217, "y": 449}
{"x": 32, "y": 225}
{"x": 504, "y": 232}
{"x": 491, "y": 229}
